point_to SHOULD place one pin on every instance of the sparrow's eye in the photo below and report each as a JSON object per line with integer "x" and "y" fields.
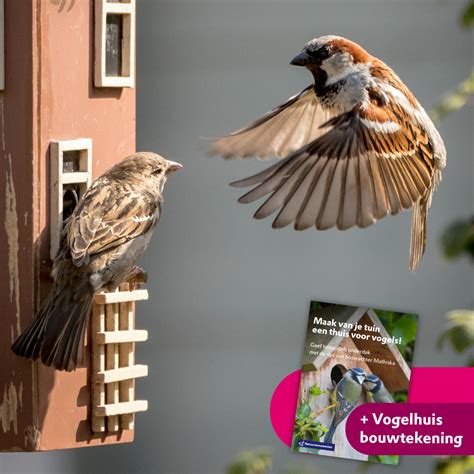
{"x": 321, "y": 53}
{"x": 324, "y": 52}
{"x": 157, "y": 171}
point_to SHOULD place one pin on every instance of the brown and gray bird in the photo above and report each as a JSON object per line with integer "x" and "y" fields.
{"x": 101, "y": 243}
{"x": 356, "y": 146}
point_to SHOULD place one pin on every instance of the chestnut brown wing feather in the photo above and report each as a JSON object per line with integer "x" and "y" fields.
{"x": 368, "y": 164}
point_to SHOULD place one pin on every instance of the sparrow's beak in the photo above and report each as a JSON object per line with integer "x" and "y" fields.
{"x": 173, "y": 166}
{"x": 301, "y": 60}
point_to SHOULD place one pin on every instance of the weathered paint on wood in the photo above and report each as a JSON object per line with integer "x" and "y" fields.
{"x": 49, "y": 96}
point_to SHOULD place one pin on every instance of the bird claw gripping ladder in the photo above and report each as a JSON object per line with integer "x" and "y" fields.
{"x": 114, "y": 371}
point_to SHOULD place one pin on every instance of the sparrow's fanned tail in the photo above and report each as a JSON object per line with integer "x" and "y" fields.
{"x": 418, "y": 230}
{"x": 56, "y": 334}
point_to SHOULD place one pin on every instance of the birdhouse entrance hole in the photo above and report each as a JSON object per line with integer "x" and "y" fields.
{"x": 337, "y": 372}
{"x": 71, "y": 197}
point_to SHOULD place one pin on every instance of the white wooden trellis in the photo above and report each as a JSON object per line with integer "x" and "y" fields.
{"x": 113, "y": 359}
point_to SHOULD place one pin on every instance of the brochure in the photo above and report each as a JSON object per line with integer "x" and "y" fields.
{"x": 352, "y": 355}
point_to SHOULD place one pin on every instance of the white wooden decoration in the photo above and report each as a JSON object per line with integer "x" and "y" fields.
{"x": 61, "y": 178}
{"x": 124, "y": 11}
{"x": 2, "y": 45}
{"x": 121, "y": 408}
{"x": 113, "y": 359}
{"x": 98, "y": 365}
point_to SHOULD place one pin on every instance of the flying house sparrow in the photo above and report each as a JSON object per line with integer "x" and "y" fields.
{"x": 101, "y": 242}
{"x": 376, "y": 390}
{"x": 348, "y": 391}
{"x": 356, "y": 144}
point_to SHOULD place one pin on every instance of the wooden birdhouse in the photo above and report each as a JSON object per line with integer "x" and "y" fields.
{"x": 67, "y": 114}
{"x": 327, "y": 357}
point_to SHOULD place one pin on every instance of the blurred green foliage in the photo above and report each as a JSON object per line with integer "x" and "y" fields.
{"x": 400, "y": 325}
{"x": 458, "y": 239}
{"x": 467, "y": 17}
{"x": 405, "y": 329}
{"x": 315, "y": 391}
{"x": 460, "y": 96}
{"x": 455, "y": 465}
{"x": 258, "y": 461}
{"x": 454, "y": 100}
{"x": 307, "y": 425}
{"x": 459, "y": 332}
{"x": 401, "y": 396}
{"x": 388, "y": 459}
{"x": 301, "y": 470}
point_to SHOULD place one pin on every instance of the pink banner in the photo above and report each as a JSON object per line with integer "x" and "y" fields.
{"x": 442, "y": 385}
{"x": 443, "y": 391}
{"x": 412, "y": 428}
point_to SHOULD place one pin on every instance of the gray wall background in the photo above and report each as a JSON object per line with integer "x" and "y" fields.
{"x": 229, "y": 296}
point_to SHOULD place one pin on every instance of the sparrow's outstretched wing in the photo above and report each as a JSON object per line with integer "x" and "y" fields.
{"x": 278, "y": 133}
{"x": 369, "y": 163}
{"x": 107, "y": 217}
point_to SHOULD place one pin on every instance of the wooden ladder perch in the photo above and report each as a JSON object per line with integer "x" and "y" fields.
{"x": 113, "y": 359}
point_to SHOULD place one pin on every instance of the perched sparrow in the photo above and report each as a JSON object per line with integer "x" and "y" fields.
{"x": 102, "y": 241}
{"x": 348, "y": 391}
{"x": 356, "y": 145}
{"x": 376, "y": 390}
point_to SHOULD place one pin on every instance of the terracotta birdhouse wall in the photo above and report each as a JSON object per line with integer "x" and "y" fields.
{"x": 50, "y": 98}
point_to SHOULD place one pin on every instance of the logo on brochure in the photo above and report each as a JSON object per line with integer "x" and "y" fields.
{"x": 305, "y": 443}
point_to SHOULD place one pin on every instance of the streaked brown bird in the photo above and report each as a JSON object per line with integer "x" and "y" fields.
{"x": 356, "y": 146}
{"x": 101, "y": 243}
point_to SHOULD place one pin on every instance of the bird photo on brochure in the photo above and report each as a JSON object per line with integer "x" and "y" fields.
{"x": 101, "y": 242}
{"x": 347, "y": 393}
{"x": 376, "y": 390}
{"x": 355, "y": 146}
